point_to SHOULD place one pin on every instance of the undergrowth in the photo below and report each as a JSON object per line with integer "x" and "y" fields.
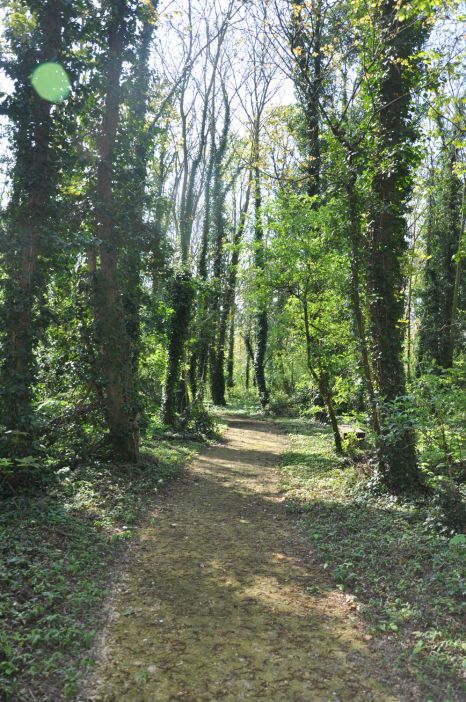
{"x": 406, "y": 575}
{"x": 57, "y": 548}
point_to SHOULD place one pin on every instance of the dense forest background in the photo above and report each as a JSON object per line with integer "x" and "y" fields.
{"x": 179, "y": 229}
{"x": 253, "y": 204}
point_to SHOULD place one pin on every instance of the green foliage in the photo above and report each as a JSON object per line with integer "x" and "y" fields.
{"x": 404, "y": 573}
{"x": 57, "y": 549}
{"x": 351, "y": 445}
{"x": 197, "y": 420}
{"x": 439, "y": 411}
{"x": 152, "y": 369}
{"x": 439, "y": 329}
{"x": 307, "y": 270}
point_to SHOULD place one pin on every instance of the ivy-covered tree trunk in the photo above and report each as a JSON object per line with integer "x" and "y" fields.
{"x": 356, "y": 263}
{"x": 217, "y": 308}
{"x": 321, "y": 379}
{"x": 459, "y": 287}
{"x": 199, "y": 361}
{"x": 219, "y": 381}
{"x": 306, "y": 44}
{"x": 247, "y": 372}
{"x": 230, "y": 289}
{"x": 182, "y": 295}
{"x": 219, "y": 303}
{"x": 112, "y": 332}
{"x": 231, "y": 351}
{"x": 30, "y": 228}
{"x": 136, "y": 149}
{"x": 390, "y": 188}
{"x": 444, "y": 221}
{"x": 259, "y": 262}
{"x": 140, "y": 142}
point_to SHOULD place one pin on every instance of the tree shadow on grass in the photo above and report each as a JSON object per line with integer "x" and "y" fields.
{"x": 408, "y": 579}
{"x": 58, "y": 549}
{"x": 220, "y": 602}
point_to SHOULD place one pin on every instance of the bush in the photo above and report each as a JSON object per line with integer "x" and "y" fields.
{"x": 197, "y": 420}
{"x": 439, "y": 408}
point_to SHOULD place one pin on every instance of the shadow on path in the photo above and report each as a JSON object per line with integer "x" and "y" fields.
{"x": 220, "y": 602}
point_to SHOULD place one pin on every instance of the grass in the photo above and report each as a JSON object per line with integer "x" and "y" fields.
{"x": 407, "y": 579}
{"x": 57, "y": 549}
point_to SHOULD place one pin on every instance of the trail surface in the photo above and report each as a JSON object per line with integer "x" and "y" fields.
{"x": 220, "y": 602}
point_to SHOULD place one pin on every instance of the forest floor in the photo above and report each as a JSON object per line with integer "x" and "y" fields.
{"x": 59, "y": 546}
{"x": 220, "y": 598}
{"x": 396, "y": 561}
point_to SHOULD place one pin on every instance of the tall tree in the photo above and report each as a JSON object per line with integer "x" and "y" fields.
{"x": 260, "y": 89}
{"x": 116, "y": 366}
{"x": 136, "y": 146}
{"x": 391, "y": 82}
{"x": 31, "y": 212}
{"x": 219, "y": 192}
{"x": 192, "y": 160}
{"x": 261, "y": 320}
{"x": 444, "y": 223}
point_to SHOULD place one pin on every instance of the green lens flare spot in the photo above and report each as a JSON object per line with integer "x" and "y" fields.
{"x": 51, "y": 82}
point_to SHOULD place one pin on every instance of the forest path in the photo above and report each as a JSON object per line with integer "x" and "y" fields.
{"x": 219, "y": 600}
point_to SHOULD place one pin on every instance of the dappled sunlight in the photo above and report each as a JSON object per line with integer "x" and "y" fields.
{"x": 221, "y": 575}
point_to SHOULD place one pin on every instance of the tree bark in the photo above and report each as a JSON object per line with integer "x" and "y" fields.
{"x": 231, "y": 351}
{"x": 115, "y": 346}
{"x": 259, "y": 260}
{"x": 182, "y": 298}
{"x": 218, "y": 381}
{"x": 437, "y": 334}
{"x": 390, "y": 187}
{"x": 30, "y": 210}
{"x": 322, "y": 381}
{"x": 140, "y": 141}
{"x": 307, "y": 50}
{"x": 355, "y": 265}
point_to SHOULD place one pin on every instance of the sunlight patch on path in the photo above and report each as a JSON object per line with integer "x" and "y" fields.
{"x": 220, "y": 601}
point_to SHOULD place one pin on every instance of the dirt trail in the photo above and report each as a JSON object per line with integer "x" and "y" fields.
{"x": 219, "y": 601}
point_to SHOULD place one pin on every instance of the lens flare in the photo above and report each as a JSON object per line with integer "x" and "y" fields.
{"x": 51, "y": 82}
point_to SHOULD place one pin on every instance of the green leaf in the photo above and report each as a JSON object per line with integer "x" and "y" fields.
{"x": 458, "y": 539}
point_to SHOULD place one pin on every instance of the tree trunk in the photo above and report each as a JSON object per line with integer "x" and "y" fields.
{"x": 321, "y": 379}
{"x": 460, "y": 255}
{"x": 219, "y": 303}
{"x": 261, "y": 316}
{"x": 307, "y": 50}
{"x": 386, "y": 237}
{"x": 200, "y": 356}
{"x": 218, "y": 383}
{"x": 437, "y": 335}
{"x": 355, "y": 264}
{"x": 30, "y": 212}
{"x": 140, "y": 140}
{"x": 182, "y": 299}
{"x": 324, "y": 388}
{"x": 231, "y": 351}
{"x": 116, "y": 361}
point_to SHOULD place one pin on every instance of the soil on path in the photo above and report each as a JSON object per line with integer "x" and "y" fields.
{"x": 220, "y": 602}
